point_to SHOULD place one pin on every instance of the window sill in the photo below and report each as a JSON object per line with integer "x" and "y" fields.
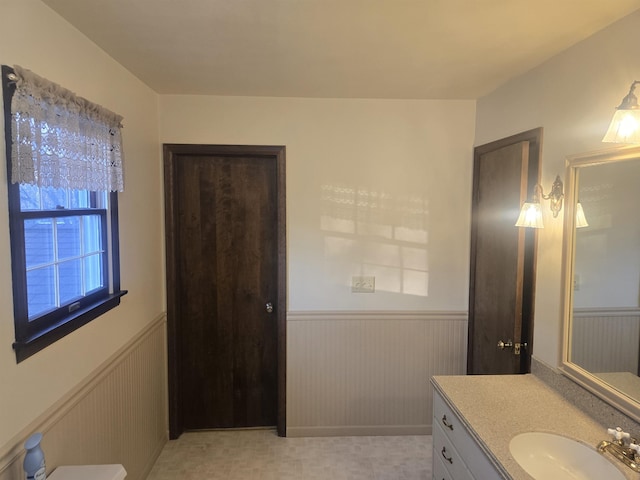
{"x": 32, "y": 345}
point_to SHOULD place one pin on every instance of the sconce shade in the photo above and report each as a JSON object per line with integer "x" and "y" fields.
{"x": 625, "y": 125}
{"x": 530, "y": 216}
{"x": 581, "y": 220}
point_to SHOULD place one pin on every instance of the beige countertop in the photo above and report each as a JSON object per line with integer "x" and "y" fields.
{"x": 495, "y": 408}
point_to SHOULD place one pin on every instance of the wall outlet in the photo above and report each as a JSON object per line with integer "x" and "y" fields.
{"x": 360, "y": 284}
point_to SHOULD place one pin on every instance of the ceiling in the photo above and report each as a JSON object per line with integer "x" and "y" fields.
{"x": 420, "y": 49}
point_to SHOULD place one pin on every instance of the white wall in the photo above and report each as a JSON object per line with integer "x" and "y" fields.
{"x": 36, "y": 38}
{"x": 572, "y": 96}
{"x": 374, "y": 187}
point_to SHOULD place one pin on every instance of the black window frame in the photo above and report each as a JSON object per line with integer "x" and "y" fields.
{"x": 32, "y": 336}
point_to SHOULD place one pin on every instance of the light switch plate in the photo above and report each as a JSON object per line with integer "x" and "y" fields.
{"x": 363, "y": 284}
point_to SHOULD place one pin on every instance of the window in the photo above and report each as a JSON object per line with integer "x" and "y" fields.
{"x": 63, "y": 212}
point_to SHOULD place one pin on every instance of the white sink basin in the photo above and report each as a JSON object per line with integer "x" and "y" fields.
{"x": 547, "y": 456}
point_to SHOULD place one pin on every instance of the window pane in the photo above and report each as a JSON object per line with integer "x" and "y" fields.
{"x": 53, "y": 198}
{"x": 79, "y": 199}
{"x": 56, "y": 198}
{"x": 38, "y": 241}
{"x": 29, "y": 197}
{"x": 102, "y": 199}
{"x": 41, "y": 290}
{"x": 70, "y": 280}
{"x": 93, "y": 273}
{"x": 68, "y": 234}
{"x": 92, "y": 238}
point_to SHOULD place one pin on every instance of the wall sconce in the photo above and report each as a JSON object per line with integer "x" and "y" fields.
{"x": 625, "y": 125}
{"x": 531, "y": 213}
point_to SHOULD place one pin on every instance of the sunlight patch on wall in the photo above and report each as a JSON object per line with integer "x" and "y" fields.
{"x": 369, "y": 232}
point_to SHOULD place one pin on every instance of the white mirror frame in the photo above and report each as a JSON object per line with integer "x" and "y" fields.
{"x": 629, "y": 406}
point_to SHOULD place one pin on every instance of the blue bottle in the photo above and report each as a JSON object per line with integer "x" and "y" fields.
{"x": 34, "y": 467}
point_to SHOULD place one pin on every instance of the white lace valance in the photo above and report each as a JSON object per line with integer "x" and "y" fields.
{"x": 61, "y": 140}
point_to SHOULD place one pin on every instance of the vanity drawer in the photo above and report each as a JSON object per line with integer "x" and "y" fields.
{"x": 449, "y": 422}
{"x": 440, "y": 472}
{"x": 444, "y": 451}
{"x": 467, "y": 448}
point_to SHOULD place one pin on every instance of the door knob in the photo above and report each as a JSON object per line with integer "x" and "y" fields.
{"x": 269, "y": 307}
{"x": 502, "y": 345}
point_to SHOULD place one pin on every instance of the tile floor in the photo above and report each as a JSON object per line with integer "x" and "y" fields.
{"x": 262, "y": 455}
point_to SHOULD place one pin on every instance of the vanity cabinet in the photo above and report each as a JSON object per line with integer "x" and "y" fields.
{"x": 456, "y": 455}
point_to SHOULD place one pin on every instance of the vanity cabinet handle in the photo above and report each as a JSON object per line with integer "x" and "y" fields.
{"x": 445, "y": 423}
{"x": 444, "y": 455}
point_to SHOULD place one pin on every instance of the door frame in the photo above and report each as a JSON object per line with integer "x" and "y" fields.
{"x": 171, "y": 155}
{"x": 534, "y": 137}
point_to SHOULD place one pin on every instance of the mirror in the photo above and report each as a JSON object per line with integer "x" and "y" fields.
{"x": 602, "y": 276}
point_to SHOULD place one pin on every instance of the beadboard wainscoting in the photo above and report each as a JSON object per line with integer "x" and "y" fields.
{"x": 117, "y": 415}
{"x": 367, "y": 373}
{"x": 606, "y": 340}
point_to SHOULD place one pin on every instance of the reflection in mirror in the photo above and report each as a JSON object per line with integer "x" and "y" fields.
{"x": 606, "y": 277}
{"x": 602, "y": 276}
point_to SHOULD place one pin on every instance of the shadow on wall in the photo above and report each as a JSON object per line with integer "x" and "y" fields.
{"x": 375, "y": 233}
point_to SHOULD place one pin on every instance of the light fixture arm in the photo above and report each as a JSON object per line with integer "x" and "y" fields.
{"x": 630, "y": 101}
{"x": 555, "y": 196}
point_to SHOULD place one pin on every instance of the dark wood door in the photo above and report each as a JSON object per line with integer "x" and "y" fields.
{"x": 225, "y": 282}
{"x": 502, "y": 257}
